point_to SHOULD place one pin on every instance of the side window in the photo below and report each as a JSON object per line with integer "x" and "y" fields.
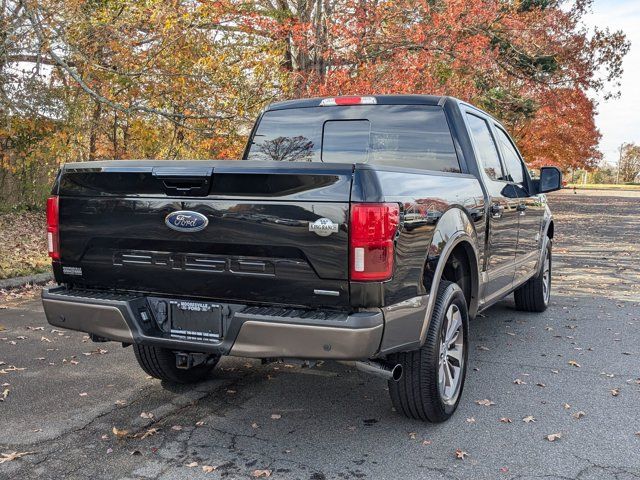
{"x": 487, "y": 150}
{"x": 511, "y": 158}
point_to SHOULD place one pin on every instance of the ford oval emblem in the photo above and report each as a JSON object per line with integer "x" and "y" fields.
{"x": 186, "y": 221}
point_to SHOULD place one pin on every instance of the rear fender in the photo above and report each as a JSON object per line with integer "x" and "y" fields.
{"x": 454, "y": 229}
{"x": 407, "y": 322}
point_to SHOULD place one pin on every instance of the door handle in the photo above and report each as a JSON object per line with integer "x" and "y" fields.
{"x": 497, "y": 210}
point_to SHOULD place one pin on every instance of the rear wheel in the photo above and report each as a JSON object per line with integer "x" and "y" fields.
{"x": 433, "y": 375}
{"x": 535, "y": 294}
{"x": 160, "y": 363}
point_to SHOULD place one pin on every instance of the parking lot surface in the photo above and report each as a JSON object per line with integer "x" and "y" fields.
{"x": 76, "y": 409}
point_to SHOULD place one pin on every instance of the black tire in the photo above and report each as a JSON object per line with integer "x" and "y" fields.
{"x": 417, "y": 395}
{"x": 532, "y": 296}
{"x": 160, "y": 363}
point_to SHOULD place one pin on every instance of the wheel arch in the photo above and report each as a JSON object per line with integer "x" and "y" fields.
{"x": 549, "y": 228}
{"x": 547, "y": 236}
{"x": 454, "y": 240}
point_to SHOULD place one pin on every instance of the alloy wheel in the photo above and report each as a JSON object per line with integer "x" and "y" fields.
{"x": 451, "y": 358}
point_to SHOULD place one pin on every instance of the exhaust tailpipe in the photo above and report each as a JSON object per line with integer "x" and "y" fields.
{"x": 378, "y": 369}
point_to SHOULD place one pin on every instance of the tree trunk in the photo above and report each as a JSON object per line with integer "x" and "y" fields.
{"x": 95, "y": 124}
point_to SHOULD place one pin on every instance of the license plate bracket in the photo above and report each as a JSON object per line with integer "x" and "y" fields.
{"x": 196, "y": 320}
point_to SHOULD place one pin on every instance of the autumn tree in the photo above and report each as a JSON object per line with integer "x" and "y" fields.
{"x": 529, "y": 62}
{"x": 121, "y": 79}
{"x": 629, "y": 163}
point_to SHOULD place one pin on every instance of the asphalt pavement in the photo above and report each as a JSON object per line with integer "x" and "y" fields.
{"x": 78, "y": 409}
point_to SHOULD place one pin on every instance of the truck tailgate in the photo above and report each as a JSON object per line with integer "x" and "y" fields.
{"x": 257, "y": 246}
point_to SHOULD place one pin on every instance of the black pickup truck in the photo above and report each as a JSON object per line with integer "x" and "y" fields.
{"x": 362, "y": 229}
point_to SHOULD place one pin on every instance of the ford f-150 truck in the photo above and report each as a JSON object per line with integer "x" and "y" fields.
{"x": 362, "y": 229}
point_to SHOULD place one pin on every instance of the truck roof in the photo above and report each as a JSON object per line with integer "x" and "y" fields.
{"x": 380, "y": 99}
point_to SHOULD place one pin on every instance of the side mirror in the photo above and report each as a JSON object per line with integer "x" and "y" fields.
{"x": 550, "y": 180}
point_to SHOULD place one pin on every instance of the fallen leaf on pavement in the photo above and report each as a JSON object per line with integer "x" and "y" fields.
{"x": 578, "y": 415}
{"x": 412, "y": 435}
{"x": 84, "y": 394}
{"x": 8, "y": 457}
{"x": 518, "y": 381}
{"x": 120, "y": 403}
{"x": 573, "y": 363}
{"x": 485, "y": 402}
{"x": 11, "y": 368}
{"x": 261, "y": 473}
{"x": 255, "y": 425}
{"x": 149, "y": 432}
{"x": 147, "y": 415}
{"x": 177, "y": 428}
{"x": 208, "y": 468}
{"x": 45, "y": 339}
{"x": 471, "y": 420}
{"x": 192, "y": 464}
{"x": 199, "y": 424}
{"x": 540, "y": 384}
{"x": 4, "y": 395}
{"x": 615, "y": 392}
{"x": 276, "y": 416}
{"x": 482, "y": 347}
{"x": 428, "y": 442}
{"x": 553, "y": 437}
{"x": 566, "y": 406}
{"x": 529, "y": 419}
{"x": 461, "y": 454}
{"x": 505, "y": 420}
{"x": 120, "y": 433}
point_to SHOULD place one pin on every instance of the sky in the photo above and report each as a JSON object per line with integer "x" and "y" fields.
{"x": 619, "y": 119}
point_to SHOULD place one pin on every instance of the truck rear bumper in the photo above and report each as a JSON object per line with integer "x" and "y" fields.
{"x": 249, "y": 331}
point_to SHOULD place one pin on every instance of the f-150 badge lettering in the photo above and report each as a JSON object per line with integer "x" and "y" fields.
{"x": 323, "y": 227}
{"x": 186, "y": 221}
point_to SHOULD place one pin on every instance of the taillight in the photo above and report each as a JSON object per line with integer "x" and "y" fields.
{"x": 53, "y": 230}
{"x": 371, "y": 231}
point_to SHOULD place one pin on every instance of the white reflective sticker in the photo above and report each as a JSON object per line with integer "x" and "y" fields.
{"x": 77, "y": 271}
{"x": 49, "y": 241}
{"x": 358, "y": 254}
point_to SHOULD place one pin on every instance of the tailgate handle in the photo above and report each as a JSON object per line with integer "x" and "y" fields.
{"x": 184, "y": 181}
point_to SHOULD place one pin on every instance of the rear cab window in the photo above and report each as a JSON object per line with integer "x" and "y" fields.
{"x": 406, "y": 136}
